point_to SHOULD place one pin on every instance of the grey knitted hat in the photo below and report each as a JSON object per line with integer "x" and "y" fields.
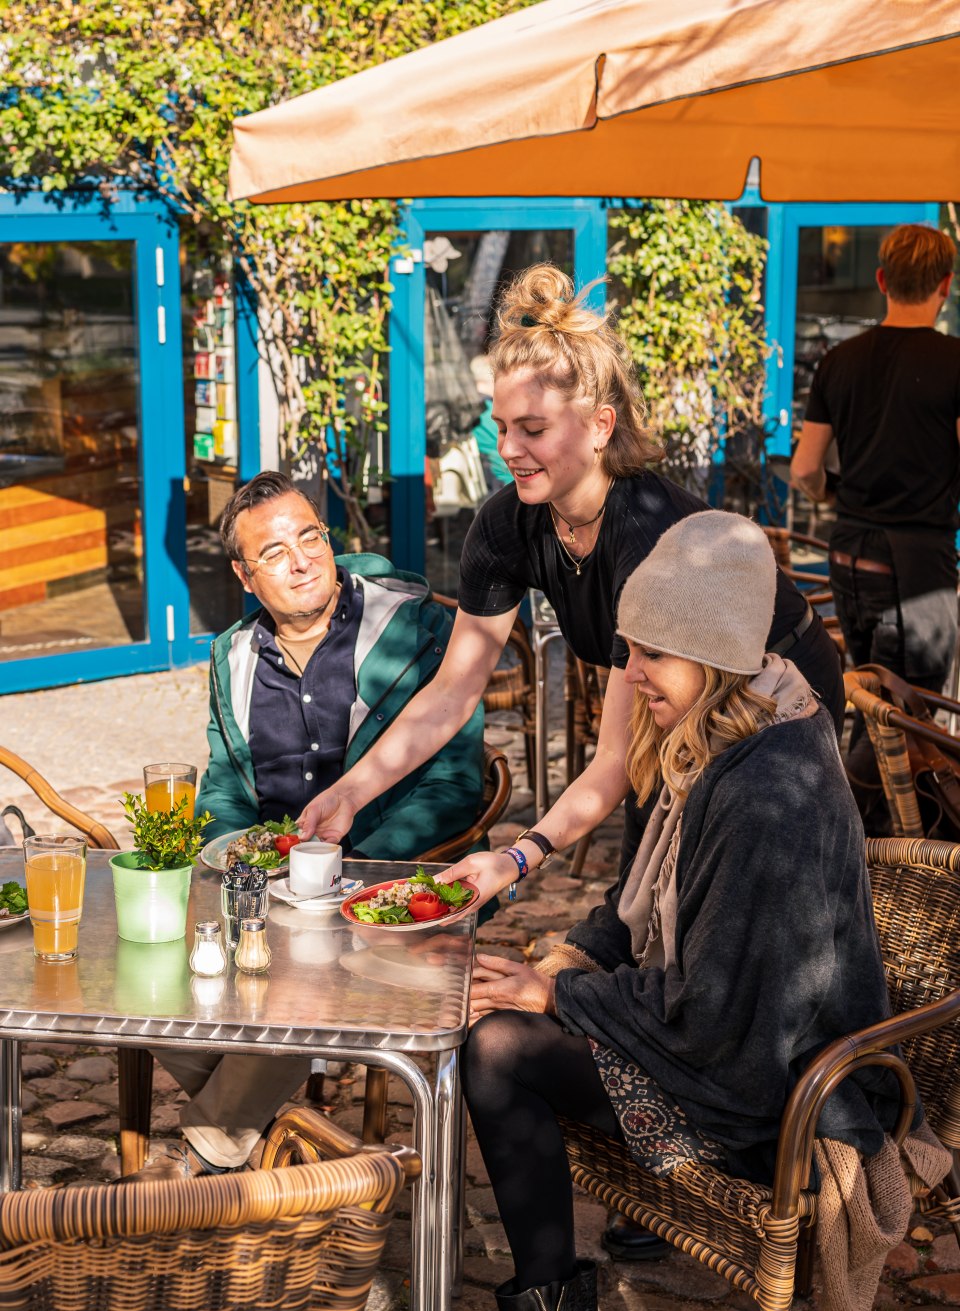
{"x": 705, "y": 592}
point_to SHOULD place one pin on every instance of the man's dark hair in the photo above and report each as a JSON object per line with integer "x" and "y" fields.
{"x": 266, "y": 486}
{"x": 915, "y": 259}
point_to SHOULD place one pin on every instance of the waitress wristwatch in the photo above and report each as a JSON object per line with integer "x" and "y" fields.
{"x": 544, "y": 844}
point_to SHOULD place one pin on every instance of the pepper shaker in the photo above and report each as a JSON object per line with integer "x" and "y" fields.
{"x": 252, "y": 956}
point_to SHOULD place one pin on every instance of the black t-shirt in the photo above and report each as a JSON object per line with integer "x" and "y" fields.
{"x": 512, "y": 546}
{"x": 892, "y": 398}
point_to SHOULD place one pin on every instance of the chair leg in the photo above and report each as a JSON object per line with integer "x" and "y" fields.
{"x": 580, "y": 855}
{"x": 135, "y": 1071}
{"x": 375, "y": 1106}
{"x": 803, "y": 1276}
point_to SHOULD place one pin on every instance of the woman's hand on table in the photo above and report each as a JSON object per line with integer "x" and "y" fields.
{"x": 328, "y": 816}
{"x": 490, "y": 871}
{"x": 505, "y": 985}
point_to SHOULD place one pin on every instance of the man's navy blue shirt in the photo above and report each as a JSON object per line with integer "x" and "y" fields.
{"x": 299, "y": 725}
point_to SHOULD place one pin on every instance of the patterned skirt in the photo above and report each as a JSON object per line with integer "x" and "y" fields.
{"x": 658, "y": 1134}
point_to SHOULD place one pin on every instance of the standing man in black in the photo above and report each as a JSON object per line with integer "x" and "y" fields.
{"x": 890, "y": 399}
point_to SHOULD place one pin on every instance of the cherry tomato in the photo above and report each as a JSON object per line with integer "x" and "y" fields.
{"x": 426, "y": 906}
{"x": 284, "y": 841}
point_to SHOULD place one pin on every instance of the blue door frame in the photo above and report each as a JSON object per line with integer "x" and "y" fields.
{"x": 783, "y": 233}
{"x": 585, "y": 217}
{"x": 151, "y": 225}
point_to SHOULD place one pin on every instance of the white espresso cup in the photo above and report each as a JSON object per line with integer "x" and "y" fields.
{"x": 315, "y": 869}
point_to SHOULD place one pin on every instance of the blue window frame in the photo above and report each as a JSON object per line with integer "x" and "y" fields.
{"x": 584, "y": 217}
{"x": 151, "y": 226}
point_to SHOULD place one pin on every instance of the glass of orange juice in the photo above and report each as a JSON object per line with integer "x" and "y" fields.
{"x": 55, "y": 869}
{"x": 165, "y": 786}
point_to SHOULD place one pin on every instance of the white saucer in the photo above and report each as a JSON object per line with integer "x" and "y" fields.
{"x": 280, "y": 888}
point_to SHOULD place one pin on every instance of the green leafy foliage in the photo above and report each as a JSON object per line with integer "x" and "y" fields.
{"x": 687, "y": 282}
{"x": 144, "y": 93}
{"x": 164, "y": 839}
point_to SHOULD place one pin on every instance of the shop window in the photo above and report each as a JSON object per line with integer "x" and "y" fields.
{"x": 71, "y": 555}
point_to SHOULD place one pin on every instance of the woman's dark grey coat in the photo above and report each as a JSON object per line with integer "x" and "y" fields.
{"x": 776, "y": 951}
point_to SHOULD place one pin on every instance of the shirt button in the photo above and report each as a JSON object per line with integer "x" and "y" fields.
{"x": 279, "y": 660}
{"x": 314, "y": 746}
{"x": 308, "y": 776}
{"x": 307, "y": 696}
{"x": 438, "y": 650}
{"x": 380, "y": 717}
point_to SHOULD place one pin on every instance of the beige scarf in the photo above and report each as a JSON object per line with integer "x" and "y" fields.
{"x": 648, "y": 903}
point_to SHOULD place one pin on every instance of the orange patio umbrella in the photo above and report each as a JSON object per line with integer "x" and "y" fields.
{"x": 839, "y": 99}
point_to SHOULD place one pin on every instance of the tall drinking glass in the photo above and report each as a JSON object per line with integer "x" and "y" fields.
{"x": 165, "y": 785}
{"x": 55, "y": 870}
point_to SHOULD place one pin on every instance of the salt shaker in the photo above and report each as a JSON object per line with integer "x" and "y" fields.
{"x": 253, "y": 956}
{"x": 208, "y": 958}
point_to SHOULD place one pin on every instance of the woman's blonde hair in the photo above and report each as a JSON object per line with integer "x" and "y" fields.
{"x": 725, "y": 712}
{"x": 544, "y": 327}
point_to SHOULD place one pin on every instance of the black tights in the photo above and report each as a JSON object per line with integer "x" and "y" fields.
{"x": 520, "y": 1072}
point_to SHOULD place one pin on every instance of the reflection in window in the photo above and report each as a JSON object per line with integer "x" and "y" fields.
{"x": 71, "y": 560}
{"x": 465, "y": 275}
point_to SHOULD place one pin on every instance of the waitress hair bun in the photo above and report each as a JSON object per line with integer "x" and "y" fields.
{"x": 543, "y": 297}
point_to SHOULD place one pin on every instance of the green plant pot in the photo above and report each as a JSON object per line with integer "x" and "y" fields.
{"x": 151, "y": 903}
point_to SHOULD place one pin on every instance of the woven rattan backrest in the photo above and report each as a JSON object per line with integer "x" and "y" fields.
{"x": 890, "y": 746}
{"x": 916, "y": 897}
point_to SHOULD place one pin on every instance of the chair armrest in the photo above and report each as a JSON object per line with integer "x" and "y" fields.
{"x": 302, "y": 1135}
{"x": 824, "y": 1074}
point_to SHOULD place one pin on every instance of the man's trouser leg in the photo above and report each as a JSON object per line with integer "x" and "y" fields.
{"x": 232, "y": 1098}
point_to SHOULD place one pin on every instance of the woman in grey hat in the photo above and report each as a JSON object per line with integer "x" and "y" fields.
{"x": 739, "y": 942}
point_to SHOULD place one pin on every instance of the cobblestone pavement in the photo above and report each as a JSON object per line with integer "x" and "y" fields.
{"x": 70, "y": 1093}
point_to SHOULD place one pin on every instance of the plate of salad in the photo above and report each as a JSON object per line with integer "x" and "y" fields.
{"x": 405, "y": 905}
{"x": 13, "y": 904}
{"x": 265, "y": 846}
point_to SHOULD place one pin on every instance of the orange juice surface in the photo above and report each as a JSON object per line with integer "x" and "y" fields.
{"x": 165, "y": 793}
{"x": 55, "y": 894}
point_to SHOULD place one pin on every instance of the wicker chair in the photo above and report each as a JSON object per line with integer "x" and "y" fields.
{"x": 814, "y": 585}
{"x": 760, "y": 1238}
{"x": 96, "y": 834}
{"x": 888, "y": 725}
{"x": 308, "y": 1236}
{"x": 497, "y": 790}
{"x": 584, "y": 686}
{"x": 514, "y": 687}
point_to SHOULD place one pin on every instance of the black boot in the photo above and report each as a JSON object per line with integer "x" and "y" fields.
{"x": 576, "y": 1294}
{"x": 626, "y": 1240}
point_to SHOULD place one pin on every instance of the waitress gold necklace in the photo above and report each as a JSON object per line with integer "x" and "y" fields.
{"x": 576, "y": 561}
{"x": 572, "y": 527}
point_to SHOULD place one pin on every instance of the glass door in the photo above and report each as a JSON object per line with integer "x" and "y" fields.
{"x": 443, "y": 442}
{"x": 822, "y": 289}
{"x": 85, "y": 487}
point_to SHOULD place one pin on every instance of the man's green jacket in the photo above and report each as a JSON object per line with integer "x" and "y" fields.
{"x": 403, "y": 635}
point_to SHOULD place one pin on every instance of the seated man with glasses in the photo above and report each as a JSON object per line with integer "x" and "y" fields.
{"x": 299, "y": 690}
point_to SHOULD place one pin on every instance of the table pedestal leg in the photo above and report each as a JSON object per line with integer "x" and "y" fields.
{"x": 10, "y": 1172}
{"x": 450, "y": 1172}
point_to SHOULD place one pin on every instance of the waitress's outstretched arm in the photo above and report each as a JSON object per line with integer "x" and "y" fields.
{"x": 433, "y": 717}
{"x": 586, "y": 802}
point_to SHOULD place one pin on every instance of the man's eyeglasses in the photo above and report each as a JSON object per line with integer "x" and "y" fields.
{"x": 312, "y": 543}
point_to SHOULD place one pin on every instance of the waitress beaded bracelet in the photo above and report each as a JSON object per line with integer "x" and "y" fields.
{"x": 523, "y": 869}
